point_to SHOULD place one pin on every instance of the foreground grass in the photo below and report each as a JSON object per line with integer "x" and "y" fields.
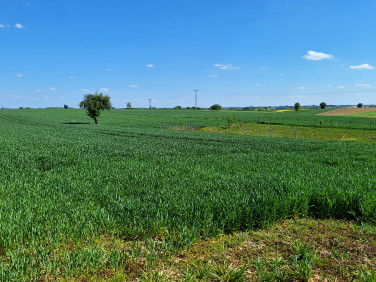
{"x": 128, "y": 199}
{"x": 293, "y": 250}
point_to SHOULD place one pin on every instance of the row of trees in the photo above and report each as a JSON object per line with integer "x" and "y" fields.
{"x": 322, "y": 106}
{"x": 97, "y": 102}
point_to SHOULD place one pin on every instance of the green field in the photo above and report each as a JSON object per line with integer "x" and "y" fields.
{"x": 82, "y": 199}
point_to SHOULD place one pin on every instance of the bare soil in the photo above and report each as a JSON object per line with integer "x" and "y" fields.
{"x": 348, "y": 111}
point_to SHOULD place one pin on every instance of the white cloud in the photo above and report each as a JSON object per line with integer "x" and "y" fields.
{"x": 281, "y": 74}
{"x": 301, "y": 87}
{"x": 329, "y": 85}
{"x": 104, "y": 89}
{"x": 19, "y": 26}
{"x": 108, "y": 69}
{"x": 19, "y": 75}
{"x": 63, "y": 98}
{"x": 257, "y": 84}
{"x": 363, "y": 85}
{"x": 85, "y": 90}
{"x": 226, "y": 67}
{"x": 71, "y": 77}
{"x": 150, "y": 66}
{"x": 2, "y": 26}
{"x": 37, "y": 91}
{"x": 16, "y": 96}
{"x": 52, "y": 89}
{"x": 133, "y": 85}
{"x": 362, "y": 67}
{"x": 341, "y": 86}
{"x": 213, "y": 75}
{"x": 317, "y": 56}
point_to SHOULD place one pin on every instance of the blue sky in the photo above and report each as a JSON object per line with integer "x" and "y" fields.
{"x": 237, "y": 53}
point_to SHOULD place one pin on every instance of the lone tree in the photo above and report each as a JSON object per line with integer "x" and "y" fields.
{"x": 231, "y": 119}
{"x": 297, "y": 106}
{"x": 129, "y": 105}
{"x": 360, "y": 105}
{"x": 216, "y": 107}
{"x": 95, "y": 103}
{"x": 322, "y": 105}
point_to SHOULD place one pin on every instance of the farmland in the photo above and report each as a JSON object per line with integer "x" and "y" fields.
{"x": 78, "y": 199}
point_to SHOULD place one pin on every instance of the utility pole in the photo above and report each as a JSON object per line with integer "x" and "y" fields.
{"x": 195, "y": 99}
{"x": 149, "y": 103}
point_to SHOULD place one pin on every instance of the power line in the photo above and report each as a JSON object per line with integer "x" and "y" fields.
{"x": 294, "y": 93}
{"x": 262, "y": 94}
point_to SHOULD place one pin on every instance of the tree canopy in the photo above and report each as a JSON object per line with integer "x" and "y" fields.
{"x": 216, "y": 107}
{"x": 95, "y": 103}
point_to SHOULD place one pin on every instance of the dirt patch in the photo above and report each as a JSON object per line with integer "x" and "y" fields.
{"x": 348, "y": 111}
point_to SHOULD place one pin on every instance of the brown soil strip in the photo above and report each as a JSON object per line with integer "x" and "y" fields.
{"x": 348, "y": 111}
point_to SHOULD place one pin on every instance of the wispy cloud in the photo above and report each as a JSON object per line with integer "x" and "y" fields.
{"x": 362, "y": 67}
{"x": 52, "y": 89}
{"x": 37, "y": 91}
{"x": 363, "y": 85}
{"x": 72, "y": 77}
{"x": 301, "y": 87}
{"x": 19, "y": 75}
{"x": 19, "y": 26}
{"x": 133, "y": 85}
{"x": 317, "y": 56}
{"x": 104, "y": 89}
{"x": 226, "y": 67}
{"x": 257, "y": 84}
{"x": 213, "y": 75}
{"x": 341, "y": 86}
{"x": 2, "y": 26}
{"x": 150, "y": 66}
{"x": 16, "y": 96}
{"x": 108, "y": 69}
{"x": 85, "y": 90}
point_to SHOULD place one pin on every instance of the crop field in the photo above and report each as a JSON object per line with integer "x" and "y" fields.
{"x": 80, "y": 199}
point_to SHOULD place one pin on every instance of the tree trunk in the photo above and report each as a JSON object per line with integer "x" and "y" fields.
{"x": 95, "y": 119}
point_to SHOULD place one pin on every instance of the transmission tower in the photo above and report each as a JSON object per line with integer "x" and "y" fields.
{"x": 195, "y": 98}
